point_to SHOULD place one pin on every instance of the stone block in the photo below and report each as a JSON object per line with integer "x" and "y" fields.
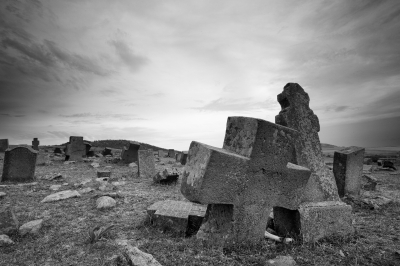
{"x": 19, "y": 164}
{"x": 8, "y": 220}
{"x": 171, "y": 153}
{"x": 75, "y": 149}
{"x": 35, "y": 144}
{"x": 146, "y": 164}
{"x": 103, "y": 173}
{"x": 3, "y": 145}
{"x": 184, "y": 157}
{"x": 131, "y": 153}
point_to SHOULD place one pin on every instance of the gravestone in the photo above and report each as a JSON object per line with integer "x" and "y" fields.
{"x": 131, "y": 154}
{"x": 75, "y": 149}
{"x": 243, "y": 181}
{"x": 171, "y": 153}
{"x": 321, "y": 213}
{"x": 35, "y": 144}
{"x": 107, "y": 151}
{"x": 177, "y": 216}
{"x": 146, "y": 164}
{"x": 348, "y": 169}
{"x": 88, "y": 146}
{"x": 184, "y": 157}
{"x": 178, "y": 157}
{"x": 3, "y": 145}
{"x": 19, "y": 164}
{"x": 161, "y": 153}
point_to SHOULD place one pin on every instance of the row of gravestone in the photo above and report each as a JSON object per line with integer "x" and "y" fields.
{"x": 4, "y": 144}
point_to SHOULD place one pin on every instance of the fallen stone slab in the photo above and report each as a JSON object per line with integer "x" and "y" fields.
{"x": 8, "y": 221}
{"x": 5, "y": 241}
{"x": 66, "y": 194}
{"x": 31, "y": 227}
{"x": 136, "y": 256}
{"x": 177, "y": 216}
{"x": 105, "y": 202}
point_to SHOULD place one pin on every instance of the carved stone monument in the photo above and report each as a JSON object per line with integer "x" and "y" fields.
{"x": 241, "y": 182}
{"x": 348, "y": 169}
{"x": 3, "y": 145}
{"x": 75, "y": 149}
{"x": 146, "y": 164}
{"x": 35, "y": 144}
{"x": 19, "y": 164}
{"x": 131, "y": 154}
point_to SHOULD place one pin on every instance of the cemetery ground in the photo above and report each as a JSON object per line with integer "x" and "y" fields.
{"x": 64, "y": 237}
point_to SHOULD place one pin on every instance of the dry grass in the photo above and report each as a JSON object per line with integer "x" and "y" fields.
{"x": 63, "y": 240}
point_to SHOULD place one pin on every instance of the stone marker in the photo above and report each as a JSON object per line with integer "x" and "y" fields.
{"x": 75, "y": 149}
{"x": 177, "y": 216}
{"x": 135, "y": 256}
{"x": 8, "y": 221}
{"x": 35, "y": 144}
{"x": 19, "y": 164}
{"x": 347, "y": 169}
{"x": 184, "y": 157}
{"x": 244, "y": 180}
{"x": 131, "y": 153}
{"x": 322, "y": 213}
{"x": 171, "y": 153}
{"x": 3, "y": 145}
{"x": 161, "y": 153}
{"x": 57, "y": 150}
{"x": 178, "y": 156}
{"x": 146, "y": 164}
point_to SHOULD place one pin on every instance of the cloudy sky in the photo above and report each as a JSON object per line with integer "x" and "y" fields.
{"x": 169, "y": 72}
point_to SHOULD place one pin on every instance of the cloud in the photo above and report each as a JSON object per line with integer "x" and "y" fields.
{"x": 244, "y": 104}
{"x": 126, "y": 55}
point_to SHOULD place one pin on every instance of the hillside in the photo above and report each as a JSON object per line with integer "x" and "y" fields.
{"x": 120, "y": 143}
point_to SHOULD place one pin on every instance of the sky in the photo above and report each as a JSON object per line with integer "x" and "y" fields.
{"x": 170, "y": 72}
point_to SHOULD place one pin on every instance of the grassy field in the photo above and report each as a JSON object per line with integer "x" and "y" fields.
{"x": 63, "y": 240}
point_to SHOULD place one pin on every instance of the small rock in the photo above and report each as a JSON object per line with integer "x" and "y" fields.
{"x": 31, "y": 227}
{"x": 95, "y": 165}
{"x": 282, "y": 261}
{"x": 136, "y": 256}
{"x": 103, "y": 173}
{"x": 107, "y": 187}
{"x": 120, "y": 183}
{"x": 69, "y": 162}
{"x": 85, "y": 190}
{"x": 167, "y": 176}
{"x": 65, "y": 184}
{"x": 2, "y": 194}
{"x": 55, "y": 187}
{"x": 105, "y": 202}
{"x": 132, "y": 165}
{"x": 369, "y": 182}
{"x": 66, "y": 194}
{"x": 5, "y": 241}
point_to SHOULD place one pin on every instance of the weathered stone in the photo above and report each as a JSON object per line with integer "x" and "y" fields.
{"x": 166, "y": 176}
{"x": 107, "y": 151}
{"x": 347, "y": 169}
{"x": 95, "y": 165}
{"x": 178, "y": 156}
{"x": 85, "y": 190}
{"x": 42, "y": 159}
{"x": 57, "y": 150}
{"x": 136, "y": 256}
{"x": 105, "y": 202}
{"x": 132, "y": 165}
{"x": 3, "y": 145}
{"x": 35, "y": 144}
{"x": 281, "y": 261}
{"x": 55, "y": 187}
{"x": 69, "y": 162}
{"x": 184, "y": 157}
{"x": 5, "y": 241}
{"x": 161, "y": 153}
{"x": 171, "y": 153}
{"x": 66, "y": 194}
{"x": 132, "y": 153}
{"x": 88, "y": 146}
{"x": 8, "y": 221}
{"x": 2, "y": 194}
{"x": 244, "y": 180}
{"x": 146, "y": 164}
{"x": 19, "y": 164}
{"x": 103, "y": 173}
{"x": 367, "y": 169}
{"x": 75, "y": 149}
{"x": 385, "y": 163}
{"x": 369, "y": 182}
{"x": 31, "y": 227}
{"x": 177, "y": 216}
{"x": 321, "y": 188}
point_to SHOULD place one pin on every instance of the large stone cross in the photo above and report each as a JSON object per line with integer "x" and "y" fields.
{"x": 242, "y": 181}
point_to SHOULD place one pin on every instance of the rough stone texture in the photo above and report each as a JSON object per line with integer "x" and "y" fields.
{"x": 347, "y": 169}
{"x": 5, "y": 241}
{"x": 177, "y": 216}
{"x": 8, "y": 221}
{"x": 171, "y": 153}
{"x": 35, "y": 144}
{"x": 31, "y": 227}
{"x": 107, "y": 151}
{"x": 321, "y": 187}
{"x": 75, "y": 149}
{"x": 146, "y": 164}
{"x": 19, "y": 164}
{"x": 66, "y": 194}
{"x": 369, "y": 182}
{"x": 105, "y": 202}
{"x": 3, "y": 145}
{"x": 57, "y": 150}
{"x": 167, "y": 176}
{"x": 184, "y": 157}
{"x": 281, "y": 261}
{"x": 136, "y": 256}
{"x": 131, "y": 154}
{"x": 244, "y": 180}
{"x": 103, "y": 173}
{"x": 161, "y": 153}
{"x": 178, "y": 156}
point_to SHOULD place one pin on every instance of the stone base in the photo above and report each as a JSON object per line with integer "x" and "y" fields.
{"x": 316, "y": 220}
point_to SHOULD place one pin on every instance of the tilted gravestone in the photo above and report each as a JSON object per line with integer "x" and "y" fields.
{"x": 321, "y": 213}
{"x": 19, "y": 164}
{"x": 35, "y": 144}
{"x": 146, "y": 164}
{"x": 75, "y": 149}
{"x": 348, "y": 169}
{"x": 171, "y": 153}
{"x": 243, "y": 181}
{"x": 3, "y": 145}
{"x": 131, "y": 154}
{"x": 184, "y": 157}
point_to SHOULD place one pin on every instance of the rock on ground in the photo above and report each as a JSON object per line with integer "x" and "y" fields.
{"x": 5, "y": 241}
{"x": 136, "y": 256}
{"x": 282, "y": 261}
{"x": 105, "y": 202}
{"x": 66, "y": 194}
{"x": 31, "y": 227}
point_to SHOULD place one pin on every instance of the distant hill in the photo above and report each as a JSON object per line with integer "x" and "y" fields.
{"x": 329, "y": 146}
{"x": 120, "y": 143}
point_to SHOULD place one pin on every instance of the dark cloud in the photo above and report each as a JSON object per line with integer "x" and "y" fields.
{"x": 125, "y": 53}
{"x": 238, "y": 105}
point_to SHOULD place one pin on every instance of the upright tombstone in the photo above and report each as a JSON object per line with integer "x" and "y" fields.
{"x": 3, "y": 145}
{"x": 35, "y": 144}
{"x": 171, "y": 153}
{"x": 146, "y": 164}
{"x": 88, "y": 146}
{"x": 131, "y": 153}
{"x": 19, "y": 164}
{"x": 75, "y": 149}
{"x": 184, "y": 157}
{"x": 321, "y": 213}
{"x": 243, "y": 181}
{"x": 348, "y": 169}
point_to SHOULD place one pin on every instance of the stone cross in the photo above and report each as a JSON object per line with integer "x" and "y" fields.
{"x": 146, "y": 164}
{"x": 19, "y": 164}
{"x": 348, "y": 169}
{"x": 243, "y": 181}
{"x": 35, "y": 144}
{"x": 76, "y": 149}
{"x": 3, "y": 145}
{"x": 131, "y": 154}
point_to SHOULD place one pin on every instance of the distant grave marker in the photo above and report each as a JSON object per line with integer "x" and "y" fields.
{"x": 146, "y": 164}
{"x": 35, "y": 144}
{"x": 171, "y": 153}
{"x": 19, "y": 164}
{"x": 3, "y": 145}
{"x": 161, "y": 153}
{"x": 131, "y": 153}
{"x": 75, "y": 149}
{"x": 184, "y": 157}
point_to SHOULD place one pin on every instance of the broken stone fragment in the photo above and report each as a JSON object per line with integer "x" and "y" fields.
{"x": 132, "y": 165}
{"x": 66, "y": 194}
{"x": 105, "y": 202}
{"x": 136, "y": 256}
{"x": 31, "y": 227}
{"x": 5, "y": 241}
{"x": 69, "y": 162}
{"x": 166, "y": 176}
{"x": 95, "y": 165}
{"x": 54, "y": 187}
{"x": 369, "y": 182}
